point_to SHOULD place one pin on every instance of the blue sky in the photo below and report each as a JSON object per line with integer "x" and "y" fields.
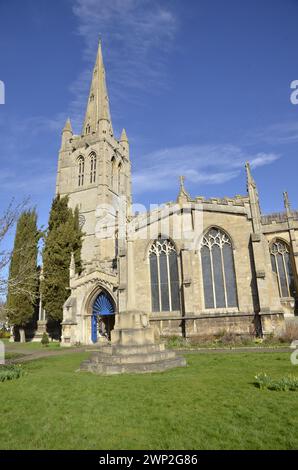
{"x": 201, "y": 86}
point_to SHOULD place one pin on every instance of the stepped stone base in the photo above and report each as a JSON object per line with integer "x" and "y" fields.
{"x": 41, "y": 329}
{"x": 132, "y": 349}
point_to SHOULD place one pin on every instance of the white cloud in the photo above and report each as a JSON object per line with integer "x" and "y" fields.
{"x": 26, "y": 168}
{"x": 132, "y": 31}
{"x": 136, "y": 36}
{"x": 261, "y": 159}
{"x": 213, "y": 164}
{"x": 36, "y": 125}
{"x": 277, "y": 134}
{"x": 34, "y": 184}
{"x": 131, "y": 27}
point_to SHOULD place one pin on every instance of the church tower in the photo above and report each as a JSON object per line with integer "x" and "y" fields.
{"x": 94, "y": 171}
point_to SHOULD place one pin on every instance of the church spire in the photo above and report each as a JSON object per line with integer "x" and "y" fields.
{"x": 97, "y": 117}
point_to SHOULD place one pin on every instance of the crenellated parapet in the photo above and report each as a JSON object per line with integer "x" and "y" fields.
{"x": 278, "y": 218}
{"x": 226, "y": 201}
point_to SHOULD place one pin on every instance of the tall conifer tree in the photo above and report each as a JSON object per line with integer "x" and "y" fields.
{"x": 63, "y": 237}
{"x": 23, "y": 273}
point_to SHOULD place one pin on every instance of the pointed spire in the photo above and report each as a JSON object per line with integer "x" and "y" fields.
{"x": 68, "y": 127}
{"x": 124, "y": 142}
{"x": 253, "y": 199}
{"x": 287, "y": 205}
{"x": 97, "y": 117}
{"x": 72, "y": 266}
{"x": 123, "y": 137}
{"x": 182, "y": 179}
{"x": 66, "y": 135}
{"x": 183, "y": 195}
{"x": 249, "y": 177}
{"x": 286, "y": 201}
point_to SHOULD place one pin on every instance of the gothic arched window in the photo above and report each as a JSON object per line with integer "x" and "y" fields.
{"x": 114, "y": 174}
{"x": 218, "y": 270}
{"x": 282, "y": 267}
{"x": 92, "y": 167}
{"x": 81, "y": 169}
{"x": 119, "y": 178}
{"x": 164, "y": 276}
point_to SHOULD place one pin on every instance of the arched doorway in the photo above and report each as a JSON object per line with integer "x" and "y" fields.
{"x": 103, "y": 316}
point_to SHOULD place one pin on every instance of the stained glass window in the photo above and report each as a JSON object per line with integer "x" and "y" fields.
{"x": 282, "y": 267}
{"x": 81, "y": 169}
{"x": 165, "y": 295}
{"x": 218, "y": 270}
{"x": 92, "y": 168}
{"x": 114, "y": 175}
{"x": 119, "y": 178}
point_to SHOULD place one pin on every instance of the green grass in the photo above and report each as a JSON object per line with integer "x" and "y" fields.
{"x": 9, "y": 355}
{"x": 285, "y": 383}
{"x": 10, "y": 372}
{"x": 30, "y": 345}
{"x": 211, "y": 404}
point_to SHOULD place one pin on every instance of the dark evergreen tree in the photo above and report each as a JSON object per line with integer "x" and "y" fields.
{"x": 63, "y": 237}
{"x": 23, "y": 273}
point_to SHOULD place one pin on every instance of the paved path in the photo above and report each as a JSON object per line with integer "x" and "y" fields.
{"x": 30, "y": 355}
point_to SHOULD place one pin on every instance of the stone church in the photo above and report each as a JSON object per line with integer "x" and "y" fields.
{"x": 196, "y": 266}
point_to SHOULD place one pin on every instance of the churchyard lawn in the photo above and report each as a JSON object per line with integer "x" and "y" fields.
{"x": 211, "y": 404}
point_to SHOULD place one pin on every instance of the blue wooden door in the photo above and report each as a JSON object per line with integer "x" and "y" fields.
{"x": 102, "y": 306}
{"x": 94, "y": 328}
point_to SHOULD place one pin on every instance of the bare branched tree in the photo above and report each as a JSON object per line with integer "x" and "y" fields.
{"x": 7, "y": 221}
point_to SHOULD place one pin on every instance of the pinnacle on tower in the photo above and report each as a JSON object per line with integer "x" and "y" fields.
{"x": 286, "y": 201}
{"x": 97, "y": 117}
{"x": 123, "y": 137}
{"x": 183, "y": 195}
{"x": 253, "y": 198}
{"x": 72, "y": 266}
{"x": 124, "y": 142}
{"x": 67, "y": 127}
{"x": 67, "y": 134}
{"x": 249, "y": 177}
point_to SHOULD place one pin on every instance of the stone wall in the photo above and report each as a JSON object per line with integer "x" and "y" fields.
{"x": 241, "y": 324}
